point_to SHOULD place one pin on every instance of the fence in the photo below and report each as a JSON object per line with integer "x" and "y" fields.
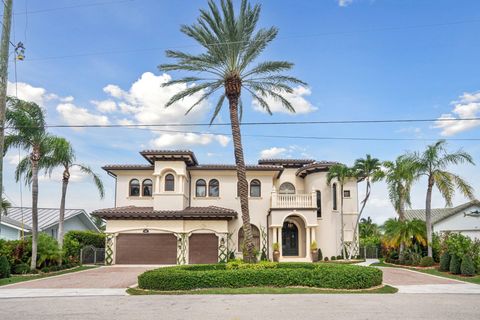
{"x": 92, "y": 255}
{"x": 369, "y": 252}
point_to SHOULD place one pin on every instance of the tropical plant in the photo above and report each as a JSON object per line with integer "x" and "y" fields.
{"x": 232, "y": 43}
{"x": 433, "y": 164}
{"x": 26, "y": 122}
{"x": 48, "y": 250}
{"x": 401, "y": 234}
{"x": 4, "y": 206}
{"x": 368, "y": 228}
{"x": 342, "y": 174}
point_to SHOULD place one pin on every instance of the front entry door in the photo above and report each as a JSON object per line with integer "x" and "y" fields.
{"x": 289, "y": 239}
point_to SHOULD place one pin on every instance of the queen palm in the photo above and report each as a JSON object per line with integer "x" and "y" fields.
{"x": 232, "y": 43}
{"x": 26, "y": 122}
{"x": 342, "y": 174}
{"x": 433, "y": 164}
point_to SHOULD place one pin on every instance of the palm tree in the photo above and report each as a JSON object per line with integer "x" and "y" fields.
{"x": 341, "y": 173}
{"x": 5, "y": 204}
{"x": 433, "y": 163}
{"x": 367, "y": 228}
{"x": 398, "y": 233}
{"x": 232, "y": 44}
{"x": 26, "y": 122}
{"x": 62, "y": 155}
{"x": 368, "y": 169}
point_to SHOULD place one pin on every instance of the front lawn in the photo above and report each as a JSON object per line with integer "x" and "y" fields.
{"x": 22, "y": 278}
{"x": 264, "y": 274}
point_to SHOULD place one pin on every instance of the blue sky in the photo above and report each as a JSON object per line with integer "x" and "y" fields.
{"x": 361, "y": 59}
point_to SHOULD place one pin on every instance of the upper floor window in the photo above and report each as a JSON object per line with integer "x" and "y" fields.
{"x": 319, "y": 203}
{"x": 255, "y": 188}
{"x": 346, "y": 193}
{"x": 134, "y": 187}
{"x": 287, "y": 188}
{"x": 213, "y": 188}
{"x": 200, "y": 188}
{"x": 169, "y": 182}
{"x": 334, "y": 193}
{"x": 147, "y": 188}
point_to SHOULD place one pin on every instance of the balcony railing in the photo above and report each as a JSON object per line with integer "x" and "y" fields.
{"x": 291, "y": 201}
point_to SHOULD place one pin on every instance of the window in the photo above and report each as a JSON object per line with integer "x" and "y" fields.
{"x": 201, "y": 188}
{"x": 169, "y": 182}
{"x": 334, "y": 192}
{"x": 147, "y": 188}
{"x": 213, "y": 188}
{"x": 255, "y": 235}
{"x": 319, "y": 203}
{"x": 134, "y": 188}
{"x": 346, "y": 193}
{"x": 255, "y": 188}
{"x": 287, "y": 188}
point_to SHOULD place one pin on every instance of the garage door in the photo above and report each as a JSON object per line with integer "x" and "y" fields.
{"x": 203, "y": 248}
{"x": 146, "y": 249}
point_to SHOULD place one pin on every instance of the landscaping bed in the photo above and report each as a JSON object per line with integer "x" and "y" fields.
{"x": 265, "y": 274}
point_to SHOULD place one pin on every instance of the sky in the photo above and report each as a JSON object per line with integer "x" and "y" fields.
{"x": 95, "y": 62}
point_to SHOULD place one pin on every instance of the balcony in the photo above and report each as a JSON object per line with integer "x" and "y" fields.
{"x": 293, "y": 201}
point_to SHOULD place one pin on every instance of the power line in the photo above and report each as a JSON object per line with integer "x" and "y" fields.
{"x": 85, "y": 5}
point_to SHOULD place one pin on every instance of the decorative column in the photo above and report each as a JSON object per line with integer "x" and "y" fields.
{"x": 275, "y": 233}
{"x": 182, "y": 246}
{"x": 157, "y": 184}
{"x": 222, "y": 247}
{"x": 307, "y": 249}
{"x": 280, "y": 241}
{"x": 109, "y": 244}
{"x": 314, "y": 231}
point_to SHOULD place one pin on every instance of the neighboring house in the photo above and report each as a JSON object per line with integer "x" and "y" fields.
{"x": 464, "y": 219}
{"x": 18, "y": 218}
{"x": 174, "y": 210}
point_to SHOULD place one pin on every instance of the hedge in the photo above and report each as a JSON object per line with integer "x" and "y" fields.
{"x": 253, "y": 275}
{"x": 76, "y": 240}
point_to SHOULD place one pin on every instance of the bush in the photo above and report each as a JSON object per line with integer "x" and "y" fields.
{"x": 325, "y": 259}
{"x": 76, "y": 240}
{"x": 4, "y": 267}
{"x": 426, "y": 262}
{"x": 445, "y": 261}
{"x": 320, "y": 255}
{"x": 467, "y": 267}
{"x": 21, "y": 268}
{"x": 48, "y": 252}
{"x": 455, "y": 264}
{"x": 275, "y": 275}
{"x": 333, "y": 258}
{"x": 339, "y": 257}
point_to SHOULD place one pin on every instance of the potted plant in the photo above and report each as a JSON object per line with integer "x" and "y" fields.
{"x": 276, "y": 252}
{"x": 314, "y": 251}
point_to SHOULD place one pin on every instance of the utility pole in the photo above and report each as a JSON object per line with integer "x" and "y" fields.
{"x": 4, "y": 48}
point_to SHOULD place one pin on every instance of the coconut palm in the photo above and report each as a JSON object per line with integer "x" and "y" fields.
{"x": 398, "y": 233}
{"x": 342, "y": 174}
{"x": 433, "y": 164}
{"x": 231, "y": 45}
{"x": 366, "y": 169}
{"x": 26, "y": 122}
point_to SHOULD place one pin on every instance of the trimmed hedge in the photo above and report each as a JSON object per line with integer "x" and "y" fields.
{"x": 467, "y": 267}
{"x": 257, "y": 275}
{"x": 76, "y": 240}
{"x": 445, "y": 262}
{"x": 4, "y": 267}
{"x": 455, "y": 263}
{"x": 426, "y": 262}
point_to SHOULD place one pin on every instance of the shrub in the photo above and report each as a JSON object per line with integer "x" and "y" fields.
{"x": 276, "y": 275}
{"x": 426, "y": 262}
{"x": 455, "y": 264}
{"x": 76, "y": 240}
{"x": 333, "y": 258}
{"x": 339, "y": 257}
{"x": 48, "y": 251}
{"x": 325, "y": 259}
{"x": 320, "y": 255}
{"x": 445, "y": 261}
{"x": 467, "y": 267}
{"x": 4, "y": 267}
{"x": 21, "y": 268}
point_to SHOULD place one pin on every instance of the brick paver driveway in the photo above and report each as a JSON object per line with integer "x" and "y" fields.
{"x": 98, "y": 278}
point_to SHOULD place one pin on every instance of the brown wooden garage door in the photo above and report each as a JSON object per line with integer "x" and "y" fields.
{"x": 146, "y": 249}
{"x": 203, "y": 248}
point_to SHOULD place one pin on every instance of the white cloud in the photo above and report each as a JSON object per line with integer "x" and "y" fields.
{"x": 344, "y": 3}
{"x": 468, "y": 106}
{"x": 28, "y": 92}
{"x": 297, "y": 99}
{"x": 292, "y": 151}
{"x": 125, "y": 122}
{"x": 57, "y": 174}
{"x": 105, "y": 106}
{"x": 272, "y": 152}
{"x": 13, "y": 159}
{"x": 187, "y": 139}
{"x": 74, "y": 115}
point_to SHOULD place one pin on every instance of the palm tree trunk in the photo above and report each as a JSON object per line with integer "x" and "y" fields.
{"x": 242, "y": 178}
{"x": 61, "y": 220}
{"x": 359, "y": 216}
{"x": 401, "y": 217}
{"x": 34, "y": 159}
{"x": 428, "y": 215}
{"x": 342, "y": 235}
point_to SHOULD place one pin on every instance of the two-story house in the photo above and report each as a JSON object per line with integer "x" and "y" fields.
{"x": 175, "y": 210}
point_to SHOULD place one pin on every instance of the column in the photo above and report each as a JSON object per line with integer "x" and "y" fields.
{"x": 308, "y": 251}
{"x": 279, "y": 232}
{"x": 274, "y": 239}
{"x": 157, "y": 184}
{"x": 314, "y": 231}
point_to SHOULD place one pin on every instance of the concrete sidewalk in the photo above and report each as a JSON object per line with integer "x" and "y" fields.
{"x": 43, "y": 293}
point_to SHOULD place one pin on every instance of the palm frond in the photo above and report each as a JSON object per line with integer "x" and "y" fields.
{"x": 96, "y": 178}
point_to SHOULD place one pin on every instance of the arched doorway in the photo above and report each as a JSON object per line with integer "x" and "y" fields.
{"x": 289, "y": 239}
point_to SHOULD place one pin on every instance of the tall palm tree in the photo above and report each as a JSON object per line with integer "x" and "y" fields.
{"x": 232, "y": 43}
{"x": 399, "y": 233}
{"x": 26, "y": 122}
{"x": 433, "y": 164}
{"x": 62, "y": 155}
{"x": 366, "y": 169}
{"x": 367, "y": 228}
{"x": 342, "y": 174}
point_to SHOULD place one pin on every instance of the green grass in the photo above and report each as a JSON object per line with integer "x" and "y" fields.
{"x": 262, "y": 290}
{"x": 20, "y": 278}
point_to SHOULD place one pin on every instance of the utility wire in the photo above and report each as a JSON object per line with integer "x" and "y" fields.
{"x": 85, "y": 5}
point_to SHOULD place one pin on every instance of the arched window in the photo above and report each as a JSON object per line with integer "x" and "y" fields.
{"x": 255, "y": 188}
{"x": 169, "y": 182}
{"x": 287, "y": 188}
{"x": 255, "y": 236}
{"x": 200, "y": 188}
{"x": 334, "y": 193}
{"x": 213, "y": 188}
{"x": 134, "y": 187}
{"x": 319, "y": 203}
{"x": 147, "y": 188}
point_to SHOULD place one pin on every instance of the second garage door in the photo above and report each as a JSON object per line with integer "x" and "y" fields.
{"x": 203, "y": 248}
{"x": 146, "y": 249}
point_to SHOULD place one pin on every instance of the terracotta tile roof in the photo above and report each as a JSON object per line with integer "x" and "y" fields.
{"x": 316, "y": 166}
{"x": 186, "y": 155}
{"x": 439, "y": 214}
{"x": 128, "y": 167}
{"x": 147, "y": 213}
{"x": 287, "y": 163}
{"x": 234, "y": 167}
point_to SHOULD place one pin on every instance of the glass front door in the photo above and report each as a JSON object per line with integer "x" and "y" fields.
{"x": 289, "y": 239}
